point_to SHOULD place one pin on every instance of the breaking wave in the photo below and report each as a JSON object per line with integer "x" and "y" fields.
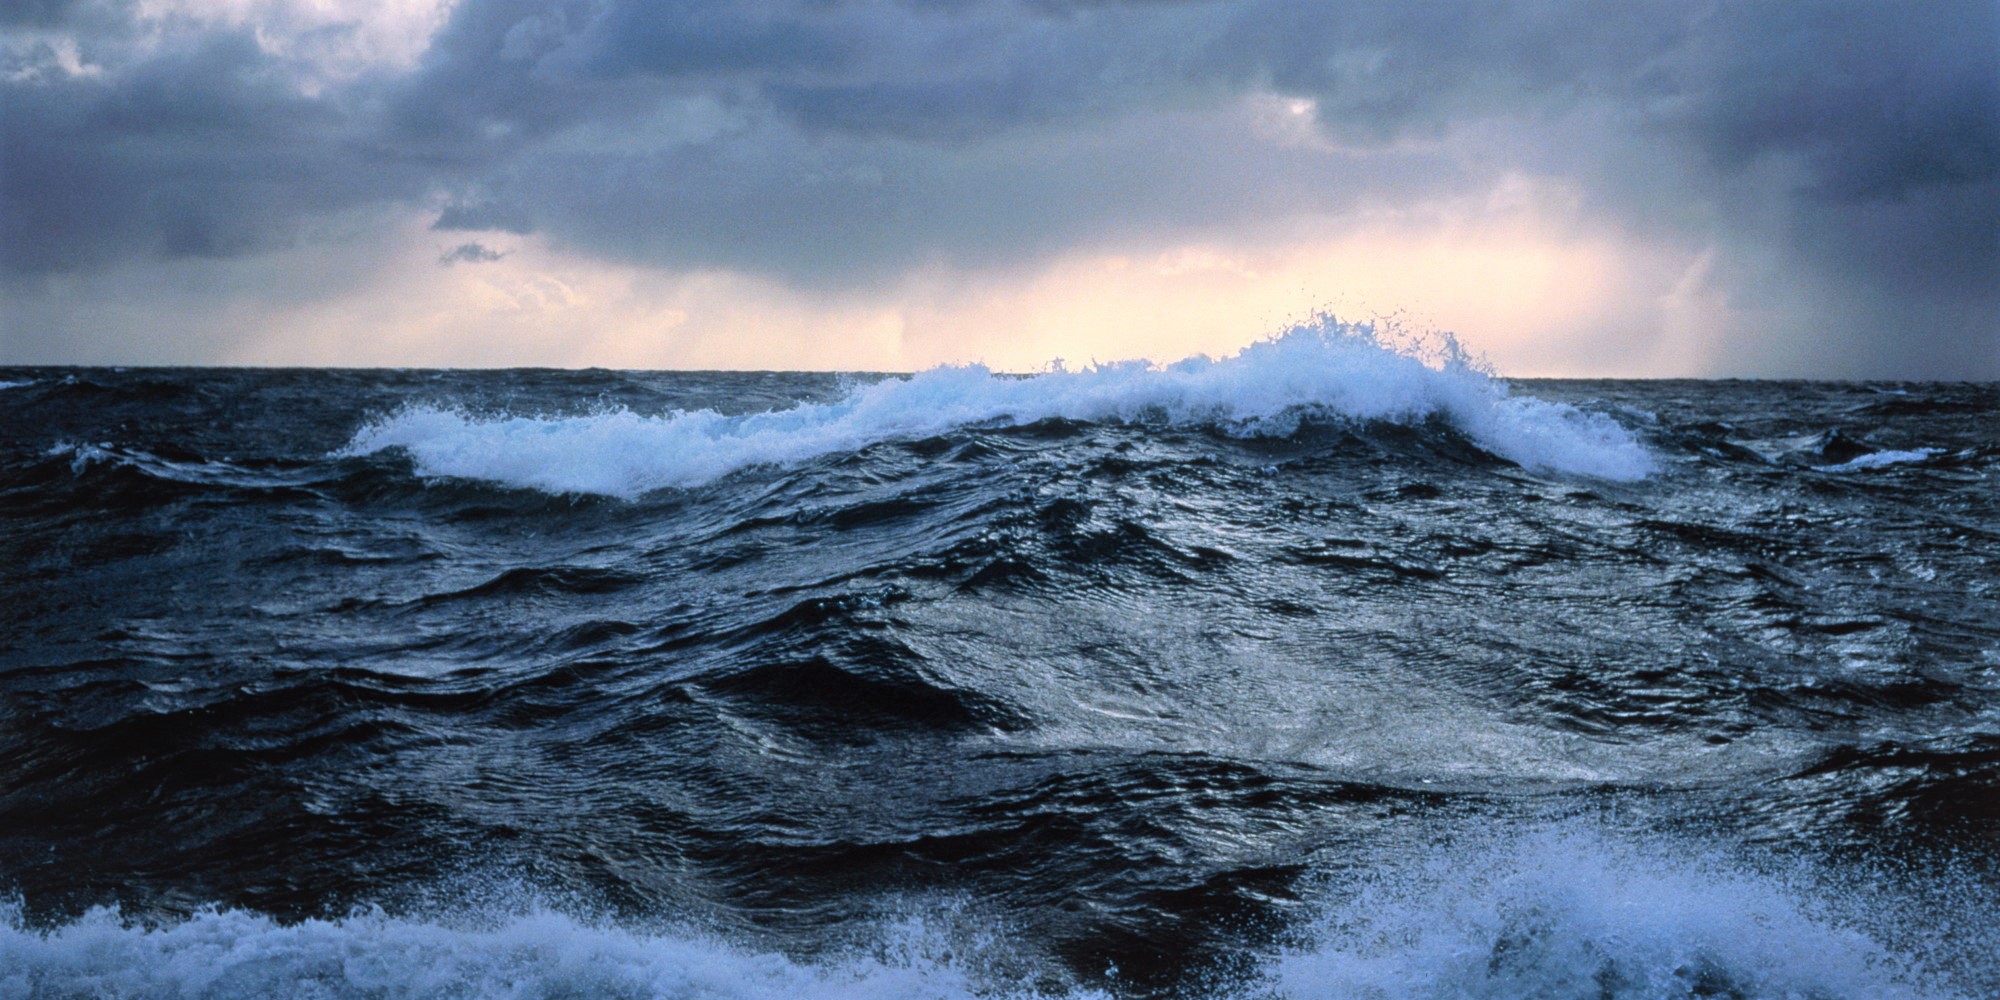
{"x": 1568, "y": 911}
{"x": 1324, "y": 369}
{"x": 1562, "y": 911}
{"x": 235, "y": 953}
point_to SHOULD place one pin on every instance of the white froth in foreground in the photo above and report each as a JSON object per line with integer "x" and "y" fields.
{"x": 1562, "y": 911}
{"x": 1325, "y": 368}
{"x": 1571, "y": 912}
{"x": 234, "y": 954}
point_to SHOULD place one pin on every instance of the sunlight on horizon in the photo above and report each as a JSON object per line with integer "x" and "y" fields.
{"x": 1532, "y": 301}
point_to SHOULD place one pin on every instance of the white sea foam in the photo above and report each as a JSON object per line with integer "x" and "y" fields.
{"x": 1558, "y": 912}
{"x": 1324, "y": 368}
{"x": 4, "y": 384}
{"x": 1571, "y": 912}
{"x": 1878, "y": 459}
{"x": 233, "y": 954}
{"x": 84, "y": 455}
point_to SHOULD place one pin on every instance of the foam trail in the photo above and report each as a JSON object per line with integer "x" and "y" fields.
{"x": 1323, "y": 368}
{"x": 231, "y": 954}
{"x": 1569, "y": 912}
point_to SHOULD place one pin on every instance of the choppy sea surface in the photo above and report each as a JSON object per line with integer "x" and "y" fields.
{"x": 1328, "y": 670}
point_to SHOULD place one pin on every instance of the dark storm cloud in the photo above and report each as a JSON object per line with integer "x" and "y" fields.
{"x": 1382, "y": 71}
{"x": 1842, "y": 146}
{"x": 203, "y": 148}
{"x": 705, "y": 38}
{"x": 482, "y": 92}
{"x": 833, "y": 210}
{"x": 1881, "y": 100}
{"x": 1887, "y": 118}
{"x": 852, "y": 142}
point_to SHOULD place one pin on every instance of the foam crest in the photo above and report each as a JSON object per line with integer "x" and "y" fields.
{"x": 232, "y": 953}
{"x": 1324, "y": 368}
{"x": 1568, "y": 912}
{"x": 1879, "y": 459}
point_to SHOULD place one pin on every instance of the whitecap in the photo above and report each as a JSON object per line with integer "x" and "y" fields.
{"x": 1500, "y": 913}
{"x": 226, "y": 953}
{"x": 1568, "y": 910}
{"x": 1323, "y": 368}
{"x": 1879, "y": 459}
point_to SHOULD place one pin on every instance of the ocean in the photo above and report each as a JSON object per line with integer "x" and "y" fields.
{"x": 1338, "y": 668}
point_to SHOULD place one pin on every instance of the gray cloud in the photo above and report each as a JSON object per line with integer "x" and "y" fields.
{"x": 54, "y": 13}
{"x": 202, "y": 148}
{"x": 470, "y": 253}
{"x": 1848, "y": 152}
{"x": 706, "y": 38}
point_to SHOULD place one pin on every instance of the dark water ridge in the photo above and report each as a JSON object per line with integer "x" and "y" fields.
{"x": 1322, "y": 671}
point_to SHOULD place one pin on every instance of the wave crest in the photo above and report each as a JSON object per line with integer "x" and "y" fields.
{"x": 1321, "y": 368}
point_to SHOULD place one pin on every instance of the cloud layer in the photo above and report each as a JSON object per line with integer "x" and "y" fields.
{"x": 1821, "y": 182}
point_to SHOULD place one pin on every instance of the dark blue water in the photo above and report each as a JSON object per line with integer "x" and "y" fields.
{"x": 1322, "y": 671}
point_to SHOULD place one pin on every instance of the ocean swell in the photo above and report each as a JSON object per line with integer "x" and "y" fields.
{"x": 1324, "y": 369}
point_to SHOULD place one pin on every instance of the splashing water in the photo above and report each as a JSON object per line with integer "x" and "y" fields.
{"x": 1569, "y": 911}
{"x": 1324, "y": 369}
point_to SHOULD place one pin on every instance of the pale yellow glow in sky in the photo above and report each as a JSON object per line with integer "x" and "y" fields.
{"x": 1533, "y": 300}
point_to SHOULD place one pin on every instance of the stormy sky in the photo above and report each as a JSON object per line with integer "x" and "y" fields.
{"x": 1613, "y": 188}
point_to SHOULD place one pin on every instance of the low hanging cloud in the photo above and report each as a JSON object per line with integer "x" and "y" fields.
{"x": 1830, "y": 173}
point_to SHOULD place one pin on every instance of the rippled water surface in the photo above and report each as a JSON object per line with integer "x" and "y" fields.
{"x": 1321, "y": 671}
